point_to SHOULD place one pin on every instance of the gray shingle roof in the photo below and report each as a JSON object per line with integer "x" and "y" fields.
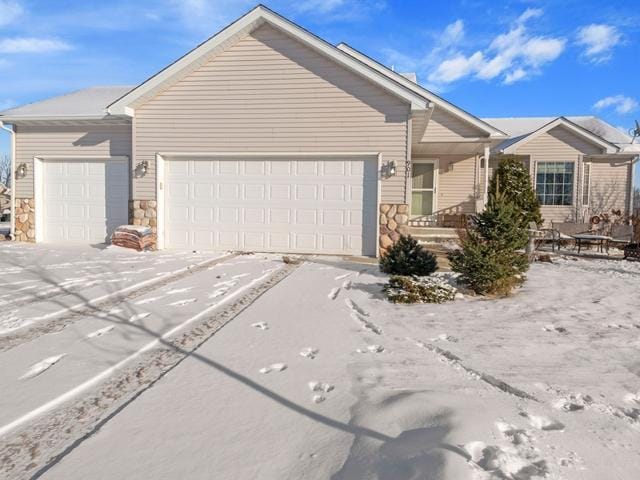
{"x": 520, "y": 127}
{"x": 89, "y": 102}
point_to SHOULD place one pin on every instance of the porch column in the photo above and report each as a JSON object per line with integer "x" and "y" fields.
{"x": 487, "y": 156}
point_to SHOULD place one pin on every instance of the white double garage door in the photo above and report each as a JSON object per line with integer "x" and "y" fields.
{"x": 270, "y": 204}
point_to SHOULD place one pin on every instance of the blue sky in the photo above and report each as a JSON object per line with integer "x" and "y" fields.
{"x": 510, "y": 58}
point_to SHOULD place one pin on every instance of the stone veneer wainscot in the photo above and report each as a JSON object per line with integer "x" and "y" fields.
{"x": 25, "y": 213}
{"x": 144, "y": 212}
{"x": 394, "y": 222}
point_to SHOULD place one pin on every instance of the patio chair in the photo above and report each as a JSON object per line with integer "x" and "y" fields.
{"x": 621, "y": 235}
{"x": 563, "y": 231}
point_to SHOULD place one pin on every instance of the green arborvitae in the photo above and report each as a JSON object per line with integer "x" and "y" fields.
{"x": 407, "y": 257}
{"x": 512, "y": 179}
{"x": 489, "y": 260}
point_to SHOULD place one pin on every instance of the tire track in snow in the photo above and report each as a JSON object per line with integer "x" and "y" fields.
{"x": 72, "y": 418}
{"x": 58, "y": 320}
{"x": 456, "y": 362}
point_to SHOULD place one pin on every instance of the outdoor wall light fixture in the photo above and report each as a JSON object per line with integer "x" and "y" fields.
{"x": 142, "y": 168}
{"x": 389, "y": 169}
{"x": 21, "y": 171}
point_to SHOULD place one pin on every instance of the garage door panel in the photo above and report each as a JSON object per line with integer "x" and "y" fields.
{"x": 303, "y": 205}
{"x": 84, "y": 200}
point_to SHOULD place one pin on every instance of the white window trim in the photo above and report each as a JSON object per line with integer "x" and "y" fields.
{"x": 575, "y": 183}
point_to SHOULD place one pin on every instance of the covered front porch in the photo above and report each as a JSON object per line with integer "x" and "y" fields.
{"x": 447, "y": 182}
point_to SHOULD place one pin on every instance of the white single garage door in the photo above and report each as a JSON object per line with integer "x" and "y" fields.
{"x": 84, "y": 200}
{"x": 303, "y": 205}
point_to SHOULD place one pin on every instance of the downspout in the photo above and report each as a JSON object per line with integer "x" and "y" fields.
{"x": 633, "y": 181}
{"x": 12, "y": 223}
{"x": 487, "y": 156}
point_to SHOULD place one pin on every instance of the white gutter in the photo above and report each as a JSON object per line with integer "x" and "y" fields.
{"x": 13, "y": 179}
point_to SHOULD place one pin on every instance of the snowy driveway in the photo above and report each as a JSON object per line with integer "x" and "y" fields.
{"x": 318, "y": 377}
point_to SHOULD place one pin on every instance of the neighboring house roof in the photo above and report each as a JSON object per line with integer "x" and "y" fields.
{"x": 432, "y": 97}
{"x": 89, "y": 102}
{"x": 523, "y": 129}
{"x": 245, "y": 24}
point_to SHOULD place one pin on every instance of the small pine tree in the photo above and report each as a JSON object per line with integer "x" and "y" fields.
{"x": 407, "y": 257}
{"x": 489, "y": 260}
{"x": 513, "y": 180}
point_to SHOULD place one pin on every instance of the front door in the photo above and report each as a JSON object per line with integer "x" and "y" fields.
{"x": 424, "y": 178}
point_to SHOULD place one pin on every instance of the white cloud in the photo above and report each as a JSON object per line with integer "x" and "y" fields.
{"x": 9, "y": 11}
{"x": 456, "y": 68}
{"x": 32, "y": 45}
{"x": 332, "y": 10}
{"x": 320, "y": 6}
{"x": 620, "y": 103}
{"x": 453, "y": 33}
{"x": 530, "y": 13}
{"x": 516, "y": 75}
{"x": 512, "y": 56}
{"x": 598, "y": 41}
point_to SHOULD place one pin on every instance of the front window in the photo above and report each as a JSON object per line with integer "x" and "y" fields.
{"x": 554, "y": 183}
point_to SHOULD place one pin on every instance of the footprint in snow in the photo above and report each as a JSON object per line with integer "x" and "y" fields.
{"x": 182, "y": 303}
{"x": 321, "y": 388}
{"x": 218, "y": 293}
{"x": 371, "y": 349}
{"x": 333, "y": 294}
{"x": 542, "y": 423}
{"x": 261, "y": 325}
{"x": 147, "y": 300}
{"x": 553, "y": 328}
{"x": 309, "y": 353}
{"x": 113, "y": 311}
{"x": 274, "y": 367}
{"x": 443, "y": 337}
{"x": 138, "y": 316}
{"x": 632, "y": 398}
{"x": 178, "y": 290}
{"x": 102, "y": 331}
{"x": 37, "y": 368}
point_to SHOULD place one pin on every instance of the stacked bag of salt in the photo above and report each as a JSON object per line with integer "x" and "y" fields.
{"x": 137, "y": 237}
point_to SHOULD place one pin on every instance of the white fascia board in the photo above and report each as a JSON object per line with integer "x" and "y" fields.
{"x": 432, "y": 97}
{"x": 247, "y": 22}
{"x": 67, "y": 120}
{"x": 577, "y": 129}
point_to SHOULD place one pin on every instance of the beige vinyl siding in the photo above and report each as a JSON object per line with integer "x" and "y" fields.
{"x": 444, "y": 126}
{"x": 456, "y": 183}
{"x": 72, "y": 141}
{"x": 609, "y": 185}
{"x": 270, "y": 93}
{"x": 559, "y": 145}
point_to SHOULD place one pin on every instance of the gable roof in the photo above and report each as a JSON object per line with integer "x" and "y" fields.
{"x": 524, "y": 129}
{"x": 87, "y": 103}
{"x": 411, "y": 84}
{"x": 244, "y": 25}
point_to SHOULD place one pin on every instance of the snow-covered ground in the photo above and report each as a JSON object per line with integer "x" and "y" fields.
{"x": 315, "y": 375}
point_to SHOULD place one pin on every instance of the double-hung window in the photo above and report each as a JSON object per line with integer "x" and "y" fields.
{"x": 554, "y": 183}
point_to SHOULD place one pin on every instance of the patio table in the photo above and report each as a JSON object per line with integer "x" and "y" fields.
{"x": 601, "y": 240}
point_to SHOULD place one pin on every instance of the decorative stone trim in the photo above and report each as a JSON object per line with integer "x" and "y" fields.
{"x": 394, "y": 222}
{"x": 144, "y": 212}
{"x": 25, "y": 214}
